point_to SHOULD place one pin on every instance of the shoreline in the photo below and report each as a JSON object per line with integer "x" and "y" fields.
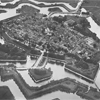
{"x": 67, "y": 85}
{"x": 38, "y": 5}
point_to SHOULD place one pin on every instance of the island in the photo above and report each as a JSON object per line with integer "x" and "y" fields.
{"x": 2, "y": 11}
{"x": 48, "y": 39}
{"x": 71, "y": 2}
{"x": 39, "y": 75}
{"x": 55, "y": 9}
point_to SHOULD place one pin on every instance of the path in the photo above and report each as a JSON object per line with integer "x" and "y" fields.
{"x": 39, "y": 60}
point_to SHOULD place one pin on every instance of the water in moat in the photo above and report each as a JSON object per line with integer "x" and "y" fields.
{"x": 58, "y": 71}
{"x": 96, "y": 29}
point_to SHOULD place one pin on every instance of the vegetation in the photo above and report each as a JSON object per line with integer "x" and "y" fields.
{"x": 3, "y": 1}
{"x": 11, "y": 52}
{"x": 60, "y": 36}
{"x": 81, "y": 64}
{"x": 5, "y": 93}
{"x": 3, "y": 11}
{"x": 65, "y": 85}
{"x": 27, "y": 9}
{"x": 55, "y": 9}
{"x": 96, "y": 57}
{"x": 85, "y": 69}
{"x": 39, "y": 75}
{"x": 93, "y": 6}
{"x": 71, "y": 2}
